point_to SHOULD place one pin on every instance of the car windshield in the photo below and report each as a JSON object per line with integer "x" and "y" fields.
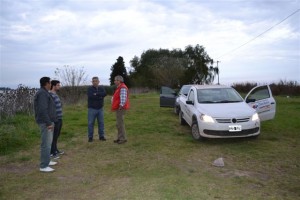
{"x": 218, "y": 95}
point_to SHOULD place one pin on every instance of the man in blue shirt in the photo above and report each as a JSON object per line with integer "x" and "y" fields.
{"x": 96, "y": 96}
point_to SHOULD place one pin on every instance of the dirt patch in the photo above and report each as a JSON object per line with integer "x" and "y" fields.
{"x": 228, "y": 173}
{"x": 18, "y": 168}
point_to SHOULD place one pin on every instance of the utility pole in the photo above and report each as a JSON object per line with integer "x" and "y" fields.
{"x": 218, "y": 71}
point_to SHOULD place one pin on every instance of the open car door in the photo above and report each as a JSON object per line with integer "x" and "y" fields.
{"x": 260, "y": 98}
{"x": 167, "y": 97}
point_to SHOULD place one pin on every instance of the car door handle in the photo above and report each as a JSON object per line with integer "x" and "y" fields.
{"x": 272, "y": 102}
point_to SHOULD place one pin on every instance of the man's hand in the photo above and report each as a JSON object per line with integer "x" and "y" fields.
{"x": 51, "y": 127}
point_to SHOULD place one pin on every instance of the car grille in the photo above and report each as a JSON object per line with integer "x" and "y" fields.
{"x": 227, "y": 133}
{"x": 232, "y": 120}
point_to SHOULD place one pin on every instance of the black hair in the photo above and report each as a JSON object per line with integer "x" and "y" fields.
{"x": 54, "y": 83}
{"x": 44, "y": 80}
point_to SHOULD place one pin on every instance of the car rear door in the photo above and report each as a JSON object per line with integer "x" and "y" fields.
{"x": 167, "y": 97}
{"x": 260, "y": 98}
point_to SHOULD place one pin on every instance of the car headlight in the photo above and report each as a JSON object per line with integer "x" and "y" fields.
{"x": 255, "y": 117}
{"x": 206, "y": 118}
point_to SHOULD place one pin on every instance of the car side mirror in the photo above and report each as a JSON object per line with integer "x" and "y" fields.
{"x": 250, "y": 100}
{"x": 190, "y": 102}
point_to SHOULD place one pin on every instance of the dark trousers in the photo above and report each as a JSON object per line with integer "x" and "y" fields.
{"x": 56, "y": 133}
{"x": 120, "y": 124}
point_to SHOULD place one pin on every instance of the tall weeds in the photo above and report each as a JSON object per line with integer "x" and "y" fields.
{"x": 16, "y": 101}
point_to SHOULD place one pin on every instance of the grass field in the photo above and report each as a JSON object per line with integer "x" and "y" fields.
{"x": 159, "y": 161}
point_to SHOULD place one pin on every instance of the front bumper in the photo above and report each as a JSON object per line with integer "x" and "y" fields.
{"x": 221, "y": 130}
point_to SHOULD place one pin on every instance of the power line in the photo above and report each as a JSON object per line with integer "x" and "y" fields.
{"x": 259, "y": 34}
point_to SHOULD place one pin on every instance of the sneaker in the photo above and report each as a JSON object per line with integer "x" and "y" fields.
{"x": 116, "y": 141}
{"x": 54, "y": 156}
{"x": 47, "y": 169}
{"x": 51, "y": 163}
{"x": 102, "y": 138}
{"x": 60, "y": 152}
{"x": 90, "y": 139}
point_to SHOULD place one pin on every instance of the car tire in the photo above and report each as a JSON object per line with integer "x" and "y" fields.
{"x": 181, "y": 120}
{"x": 195, "y": 131}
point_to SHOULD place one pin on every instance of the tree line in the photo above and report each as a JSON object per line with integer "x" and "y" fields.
{"x": 172, "y": 68}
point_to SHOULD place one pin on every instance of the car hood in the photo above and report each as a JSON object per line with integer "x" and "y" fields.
{"x": 240, "y": 109}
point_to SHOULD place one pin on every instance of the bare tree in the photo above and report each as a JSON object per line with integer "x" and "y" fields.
{"x": 71, "y": 76}
{"x": 71, "y": 79}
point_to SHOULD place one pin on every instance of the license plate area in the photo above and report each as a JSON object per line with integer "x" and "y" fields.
{"x": 235, "y": 128}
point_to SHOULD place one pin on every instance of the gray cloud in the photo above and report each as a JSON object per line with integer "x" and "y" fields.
{"x": 38, "y": 36}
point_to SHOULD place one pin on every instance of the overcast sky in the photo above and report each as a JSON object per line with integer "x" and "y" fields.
{"x": 255, "y": 41}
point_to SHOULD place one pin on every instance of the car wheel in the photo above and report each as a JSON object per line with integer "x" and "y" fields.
{"x": 195, "y": 131}
{"x": 181, "y": 120}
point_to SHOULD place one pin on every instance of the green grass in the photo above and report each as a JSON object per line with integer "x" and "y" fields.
{"x": 17, "y": 133}
{"x": 159, "y": 161}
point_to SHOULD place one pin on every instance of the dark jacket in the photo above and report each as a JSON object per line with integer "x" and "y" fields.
{"x": 44, "y": 107}
{"x": 96, "y": 97}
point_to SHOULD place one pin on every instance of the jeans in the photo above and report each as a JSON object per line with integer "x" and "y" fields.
{"x": 56, "y": 133}
{"x": 46, "y": 140}
{"x": 92, "y": 115}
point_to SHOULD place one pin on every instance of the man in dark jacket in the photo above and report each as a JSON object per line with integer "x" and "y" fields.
{"x": 45, "y": 116}
{"x": 96, "y": 96}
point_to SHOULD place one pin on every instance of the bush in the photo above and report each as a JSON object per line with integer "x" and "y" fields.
{"x": 283, "y": 88}
{"x": 70, "y": 95}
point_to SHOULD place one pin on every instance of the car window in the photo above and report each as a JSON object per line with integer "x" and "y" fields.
{"x": 191, "y": 96}
{"x": 218, "y": 95}
{"x": 166, "y": 90}
{"x": 260, "y": 93}
{"x": 185, "y": 90}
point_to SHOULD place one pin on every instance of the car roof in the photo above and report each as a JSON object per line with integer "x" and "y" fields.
{"x": 210, "y": 86}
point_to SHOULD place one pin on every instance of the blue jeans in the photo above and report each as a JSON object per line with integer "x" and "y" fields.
{"x": 92, "y": 115}
{"x": 46, "y": 141}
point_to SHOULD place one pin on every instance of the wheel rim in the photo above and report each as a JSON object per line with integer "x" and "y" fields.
{"x": 195, "y": 131}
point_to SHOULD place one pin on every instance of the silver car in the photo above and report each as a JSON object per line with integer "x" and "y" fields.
{"x": 218, "y": 111}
